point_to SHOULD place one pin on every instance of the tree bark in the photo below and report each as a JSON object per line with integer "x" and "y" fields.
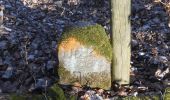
{"x": 121, "y": 30}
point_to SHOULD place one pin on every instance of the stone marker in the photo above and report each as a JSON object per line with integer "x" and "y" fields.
{"x": 84, "y": 54}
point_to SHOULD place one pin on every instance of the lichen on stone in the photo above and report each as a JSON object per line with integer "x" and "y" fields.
{"x": 92, "y": 35}
{"x": 65, "y": 75}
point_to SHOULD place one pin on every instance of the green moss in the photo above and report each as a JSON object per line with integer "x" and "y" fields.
{"x": 17, "y": 97}
{"x": 93, "y": 35}
{"x": 167, "y": 93}
{"x": 26, "y": 97}
{"x": 131, "y": 98}
{"x": 65, "y": 75}
{"x": 53, "y": 93}
{"x": 155, "y": 97}
{"x": 56, "y": 93}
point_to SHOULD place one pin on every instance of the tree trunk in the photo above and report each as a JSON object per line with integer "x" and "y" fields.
{"x": 121, "y": 30}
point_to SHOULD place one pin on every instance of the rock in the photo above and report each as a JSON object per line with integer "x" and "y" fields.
{"x": 9, "y": 87}
{"x": 134, "y": 43}
{"x": 58, "y": 3}
{"x": 53, "y": 44}
{"x": 50, "y": 64}
{"x": 1, "y": 62}
{"x": 156, "y": 20}
{"x": 60, "y": 22}
{"x": 76, "y": 87}
{"x": 3, "y": 45}
{"x": 77, "y": 84}
{"x": 4, "y": 97}
{"x": 166, "y": 82}
{"x": 8, "y": 73}
{"x": 41, "y": 83}
{"x": 31, "y": 57}
{"x": 7, "y": 59}
{"x": 84, "y": 54}
{"x": 73, "y": 2}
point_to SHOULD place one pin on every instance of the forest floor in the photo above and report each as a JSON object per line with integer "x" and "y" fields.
{"x": 31, "y": 29}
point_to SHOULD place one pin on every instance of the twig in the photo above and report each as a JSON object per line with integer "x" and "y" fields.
{"x": 45, "y": 94}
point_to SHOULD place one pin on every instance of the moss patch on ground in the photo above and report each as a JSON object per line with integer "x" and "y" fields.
{"x": 93, "y": 35}
{"x": 167, "y": 94}
{"x": 56, "y": 93}
{"x": 53, "y": 93}
{"x": 155, "y": 97}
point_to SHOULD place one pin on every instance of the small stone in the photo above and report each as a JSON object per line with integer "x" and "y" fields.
{"x": 50, "y": 64}
{"x": 7, "y": 60}
{"x": 1, "y": 62}
{"x": 34, "y": 45}
{"x": 141, "y": 53}
{"x": 73, "y": 2}
{"x": 100, "y": 91}
{"x": 33, "y": 67}
{"x": 58, "y": 3}
{"x": 28, "y": 81}
{"x": 3, "y": 45}
{"x": 41, "y": 83}
{"x": 17, "y": 55}
{"x": 76, "y": 87}
{"x": 145, "y": 27}
{"x": 96, "y": 97}
{"x": 8, "y": 73}
{"x": 163, "y": 59}
{"x": 85, "y": 97}
{"x": 31, "y": 57}
{"x": 60, "y": 22}
{"x": 134, "y": 43}
{"x": 53, "y": 44}
{"x": 156, "y": 20}
{"x": 36, "y": 52}
{"x": 9, "y": 87}
{"x": 166, "y": 82}
{"x": 31, "y": 88}
{"x": 76, "y": 84}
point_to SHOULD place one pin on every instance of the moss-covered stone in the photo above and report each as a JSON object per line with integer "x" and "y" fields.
{"x": 85, "y": 53}
{"x": 92, "y": 35}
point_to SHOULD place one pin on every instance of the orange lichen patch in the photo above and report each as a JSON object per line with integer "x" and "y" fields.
{"x": 70, "y": 44}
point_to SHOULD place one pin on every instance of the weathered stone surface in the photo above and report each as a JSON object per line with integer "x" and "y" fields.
{"x": 85, "y": 55}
